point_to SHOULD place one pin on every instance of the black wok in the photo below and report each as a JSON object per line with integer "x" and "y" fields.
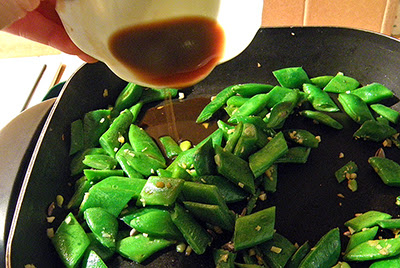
{"x": 306, "y": 199}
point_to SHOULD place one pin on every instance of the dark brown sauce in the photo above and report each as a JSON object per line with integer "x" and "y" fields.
{"x": 170, "y": 52}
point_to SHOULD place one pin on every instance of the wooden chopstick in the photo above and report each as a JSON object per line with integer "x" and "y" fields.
{"x": 28, "y": 100}
{"x": 58, "y": 75}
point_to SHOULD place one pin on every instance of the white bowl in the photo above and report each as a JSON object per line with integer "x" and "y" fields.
{"x": 92, "y": 23}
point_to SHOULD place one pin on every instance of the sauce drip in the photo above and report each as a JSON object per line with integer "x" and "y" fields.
{"x": 170, "y": 52}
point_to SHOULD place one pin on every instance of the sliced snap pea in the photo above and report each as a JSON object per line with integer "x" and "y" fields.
{"x": 140, "y": 247}
{"x": 135, "y": 110}
{"x": 76, "y": 165}
{"x": 254, "y": 229}
{"x": 387, "y": 263}
{"x": 349, "y": 168}
{"x": 386, "y": 112}
{"x": 321, "y": 81}
{"x": 341, "y": 83}
{"x": 235, "y": 169}
{"x": 322, "y": 118}
{"x": 325, "y": 253}
{"x": 374, "y": 250}
{"x": 92, "y": 259}
{"x": 141, "y": 162}
{"x": 277, "y": 251}
{"x": 77, "y": 137}
{"x": 103, "y": 252}
{"x": 373, "y": 93}
{"x": 296, "y": 155}
{"x": 282, "y": 110}
{"x": 103, "y": 225}
{"x": 252, "y": 119}
{"x": 236, "y": 101}
{"x": 153, "y": 95}
{"x": 226, "y": 128}
{"x": 153, "y": 221}
{"x": 204, "y": 163}
{"x": 195, "y": 235}
{"x": 129, "y": 170}
{"x": 276, "y": 95}
{"x": 217, "y": 103}
{"x": 81, "y": 187}
{"x": 171, "y": 147}
{"x": 366, "y": 220}
{"x": 113, "y": 138}
{"x": 129, "y": 96}
{"x": 247, "y": 142}
{"x": 70, "y": 241}
{"x": 342, "y": 264}
{"x": 375, "y": 131}
{"x": 142, "y": 142}
{"x": 387, "y": 169}
{"x": 95, "y": 175}
{"x": 160, "y": 191}
{"x": 95, "y": 123}
{"x": 100, "y": 162}
{"x": 360, "y": 237}
{"x": 251, "y": 89}
{"x": 302, "y": 137}
{"x": 355, "y": 107}
{"x": 298, "y": 255}
{"x": 224, "y": 258}
{"x": 261, "y": 160}
{"x": 181, "y": 173}
{"x": 253, "y": 106}
{"x": 320, "y": 100}
{"x": 251, "y": 204}
{"x": 389, "y": 223}
{"x": 292, "y": 77}
{"x": 270, "y": 179}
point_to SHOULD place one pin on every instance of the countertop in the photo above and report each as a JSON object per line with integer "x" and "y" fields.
{"x": 22, "y": 64}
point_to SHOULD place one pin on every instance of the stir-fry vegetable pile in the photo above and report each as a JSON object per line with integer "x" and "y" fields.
{"x": 134, "y": 198}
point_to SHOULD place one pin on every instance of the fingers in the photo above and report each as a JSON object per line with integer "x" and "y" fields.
{"x": 35, "y": 26}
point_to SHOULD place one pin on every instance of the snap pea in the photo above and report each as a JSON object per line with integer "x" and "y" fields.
{"x": 341, "y": 83}
{"x": 113, "y": 138}
{"x": 349, "y": 168}
{"x": 224, "y": 258}
{"x": 153, "y": 221}
{"x": 374, "y": 250}
{"x": 100, "y": 161}
{"x": 277, "y": 251}
{"x": 236, "y": 101}
{"x": 386, "y": 112}
{"x": 276, "y": 95}
{"x": 292, "y": 77}
{"x": 302, "y": 137}
{"x": 135, "y": 110}
{"x": 321, "y": 81}
{"x": 142, "y": 142}
{"x": 93, "y": 260}
{"x": 128, "y": 169}
{"x": 325, "y": 253}
{"x": 389, "y": 223}
{"x": 181, "y": 173}
{"x": 366, "y": 220}
{"x": 76, "y": 165}
{"x": 96, "y": 175}
{"x": 320, "y": 100}
{"x": 204, "y": 159}
{"x": 355, "y": 107}
{"x": 77, "y": 137}
{"x": 373, "y": 93}
{"x": 235, "y": 169}
{"x": 322, "y": 118}
{"x": 254, "y": 229}
{"x": 270, "y": 179}
{"x": 103, "y": 252}
{"x": 230, "y": 109}
{"x": 297, "y": 155}
{"x": 253, "y": 106}
{"x": 81, "y": 187}
{"x": 226, "y": 129}
{"x": 217, "y": 103}
{"x": 95, "y": 123}
{"x": 251, "y": 204}
{"x": 229, "y": 191}
{"x": 252, "y": 119}
{"x": 386, "y": 263}
{"x": 298, "y": 255}
{"x": 160, "y": 191}
{"x": 129, "y": 96}
{"x": 375, "y": 131}
{"x": 140, "y": 247}
{"x": 141, "y": 162}
{"x": 342, "y": 265}
{"x": 247, "y": 142}
{"x": 250, "y": 89}
{"x": 234, "y": 137}
{"x": 153, "y": 95}
{"x": 195, "y": 235}
{"x": 171, "y": 148}
{"x": 387, "y": 169}
{"x": 103, "y": 225}
{"x": 70, "y": 241}
{"x": 282, "y": 110}
{"x": 360, "y": 237}
{"x": 261, "y": 160}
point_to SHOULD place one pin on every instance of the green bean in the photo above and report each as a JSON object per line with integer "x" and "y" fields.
{"x": 387, "y": 169}
{"x": 355, "y": 107}
{"x": 215, "y": 104}
{"x": 320, "y": 100}
{"x": 386, "y": 112}
{"x": 341, "y": 83}
{"x": 366, "y": 220}
{"x": 373, "y": 93}
{"x": 341, "y": 264}
{"x": 322, "y": 118}
{"x": 292, "y": 77}
{"x": 76, "y": 165}
{"x": 261, "y": 160}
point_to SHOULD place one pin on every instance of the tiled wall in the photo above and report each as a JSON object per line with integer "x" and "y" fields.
{"x": 374, "y": 15}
